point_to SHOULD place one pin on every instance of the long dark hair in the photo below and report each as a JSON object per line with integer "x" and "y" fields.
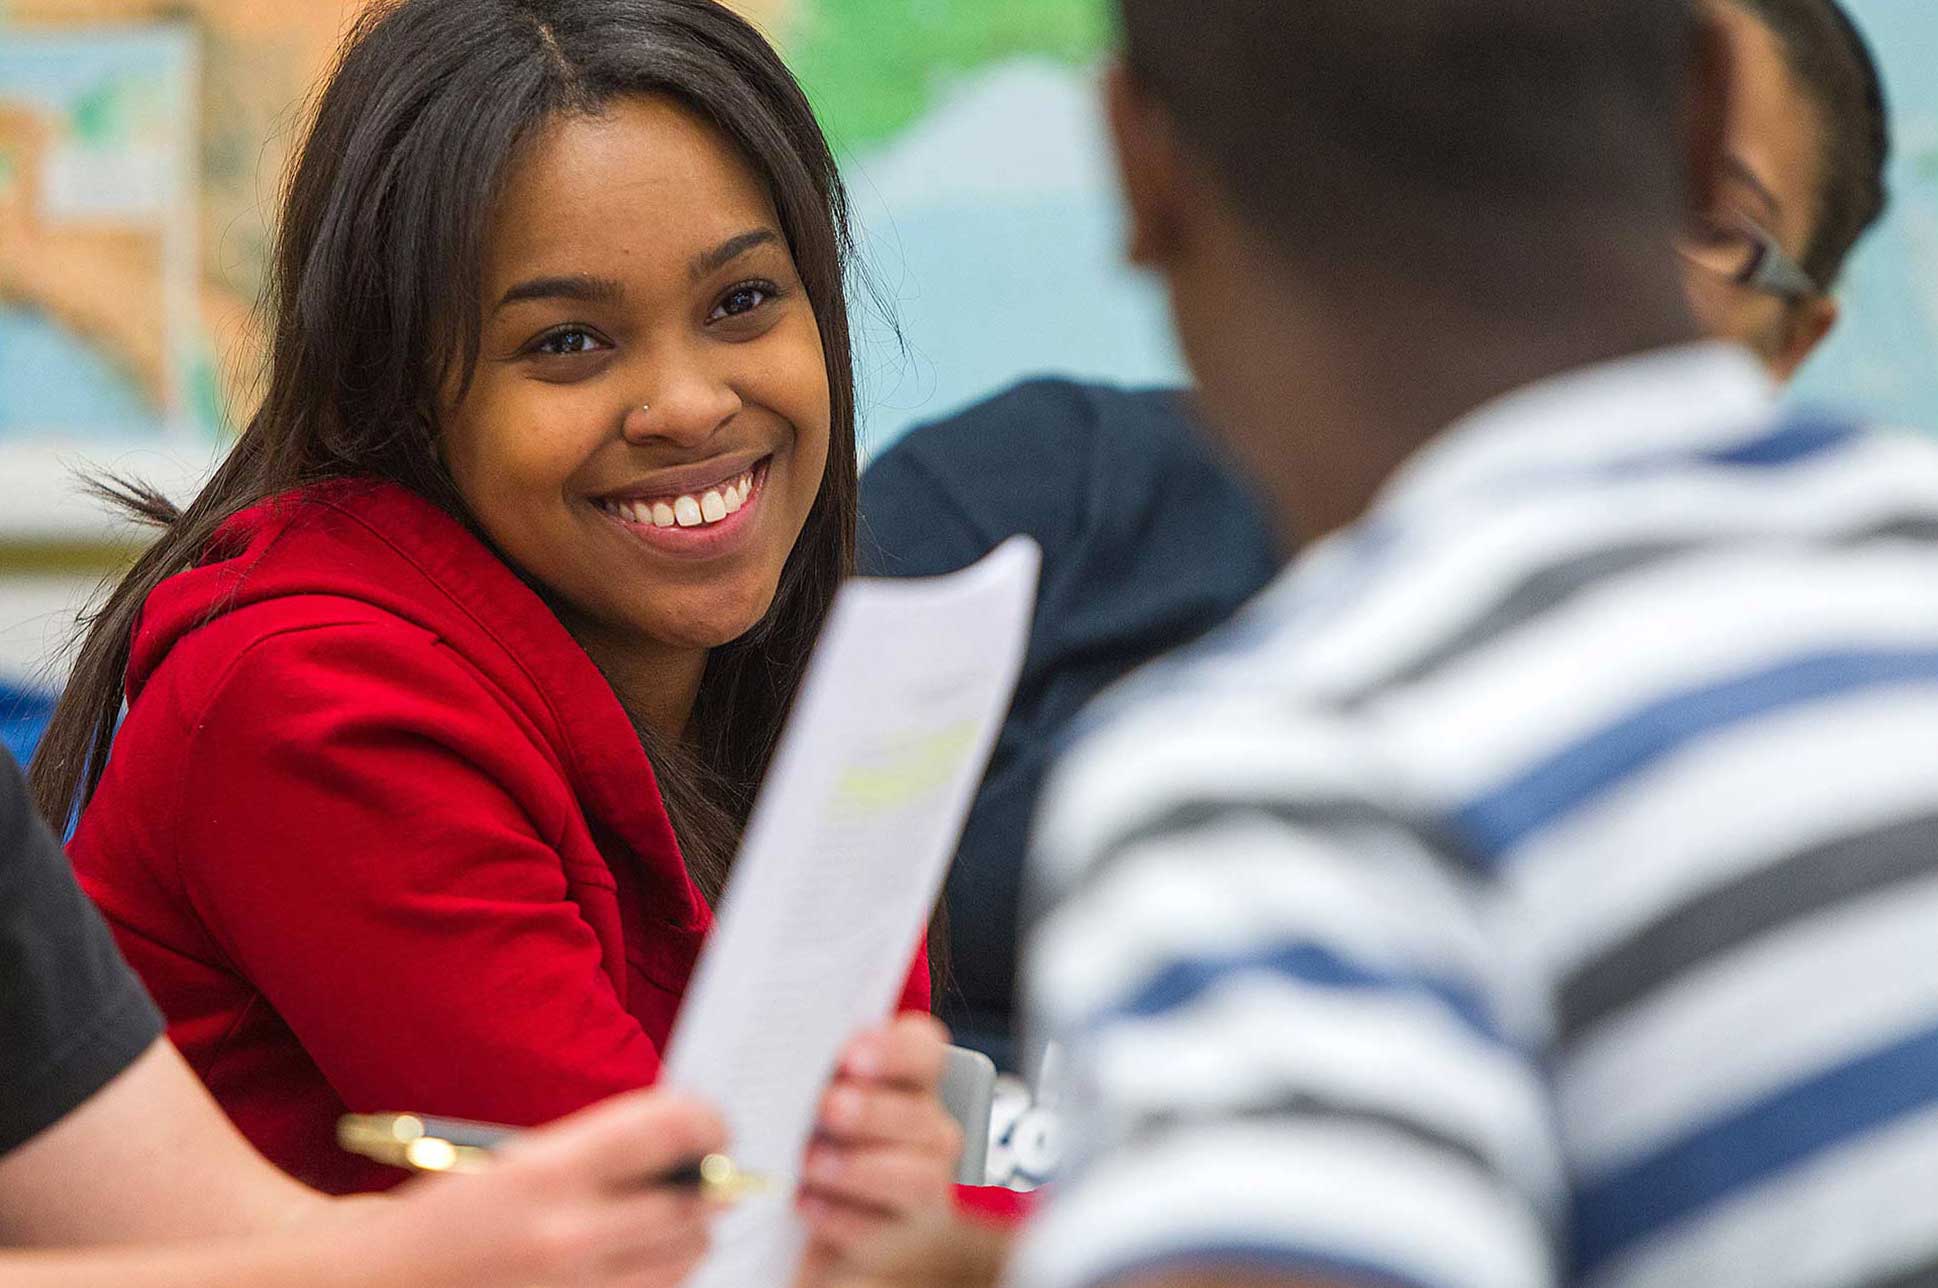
{"x": 385, "y": 215}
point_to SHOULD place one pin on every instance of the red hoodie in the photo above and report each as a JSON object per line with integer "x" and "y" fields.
{"x": 378, "y": 836}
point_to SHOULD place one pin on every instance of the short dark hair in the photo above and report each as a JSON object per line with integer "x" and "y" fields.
{"x": 1830, "y": 60}
{"x": 1422, "y": 130}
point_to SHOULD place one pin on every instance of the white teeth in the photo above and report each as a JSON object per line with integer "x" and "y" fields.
{"x": 689, "y": 511}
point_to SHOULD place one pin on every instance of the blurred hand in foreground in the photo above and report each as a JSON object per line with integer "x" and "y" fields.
{"x": 565, "y": 1204}
{"x": 884, "y": 1152}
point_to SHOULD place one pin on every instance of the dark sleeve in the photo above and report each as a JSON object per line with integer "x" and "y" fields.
{"x": 72, "y": 1015}
{"x": 913, "y": 523}
{"x": 948, "y": 492}
{"x": 1149, "y": 538}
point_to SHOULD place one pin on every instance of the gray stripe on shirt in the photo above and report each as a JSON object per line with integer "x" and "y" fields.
{"x": 1804, "y": 885}
{"x": 1556, "y": 584}
{"x": 1924, "y": 1276}
{"x": 1319, "y": 815}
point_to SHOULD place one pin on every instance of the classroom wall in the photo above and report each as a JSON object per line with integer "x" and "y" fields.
{"x": 141, "y": 142}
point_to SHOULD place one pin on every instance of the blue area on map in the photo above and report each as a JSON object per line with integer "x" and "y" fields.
{"x": 56, "y": 70}
{"x": 985, "y": 295}
{"x": 49, "y": 377}
{"x": 51, "y": 380}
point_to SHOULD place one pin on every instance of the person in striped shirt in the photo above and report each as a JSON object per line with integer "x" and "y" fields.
{"x": 1150, "y": 539}
{"x": 1538, "y": 884}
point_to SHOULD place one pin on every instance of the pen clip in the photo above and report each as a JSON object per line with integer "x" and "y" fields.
{"x": 412, "y": 1142}
{"x": 401, "y": 1140}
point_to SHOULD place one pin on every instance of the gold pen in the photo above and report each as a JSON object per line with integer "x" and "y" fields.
{"x": 425, "y": 1144}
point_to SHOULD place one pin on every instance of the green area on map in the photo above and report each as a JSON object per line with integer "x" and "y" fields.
{"x": 873, "y": 67}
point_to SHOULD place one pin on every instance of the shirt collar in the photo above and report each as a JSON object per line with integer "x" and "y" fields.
{"x": 1693, "y": 398}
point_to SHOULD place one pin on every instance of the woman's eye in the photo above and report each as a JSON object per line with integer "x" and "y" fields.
{"x": 742, "y": 300}
{"x": 569, "y": 341}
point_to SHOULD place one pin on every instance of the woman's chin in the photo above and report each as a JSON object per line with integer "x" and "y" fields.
{"x": 710, "y": 632}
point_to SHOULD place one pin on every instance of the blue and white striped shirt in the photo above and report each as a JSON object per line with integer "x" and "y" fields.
{"x": 1538, "y": 885}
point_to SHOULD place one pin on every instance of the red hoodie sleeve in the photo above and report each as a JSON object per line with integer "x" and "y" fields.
{"x": 366, "y": 837}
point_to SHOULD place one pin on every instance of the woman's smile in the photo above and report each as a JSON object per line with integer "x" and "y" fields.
{"x": 704, "y": 519}
{"x": 648, "y": 430}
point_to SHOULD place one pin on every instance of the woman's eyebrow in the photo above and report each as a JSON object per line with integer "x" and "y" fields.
{"x": 575, "y": 286}
{"x": 728, "y": 251}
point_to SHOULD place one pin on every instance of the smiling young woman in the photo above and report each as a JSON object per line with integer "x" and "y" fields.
{"x": 449, "y": 695}
{"x": 631, "y": 381}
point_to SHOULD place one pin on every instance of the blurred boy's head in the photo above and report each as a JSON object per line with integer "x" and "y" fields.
{"x": 1803, "y": 180}
{"x": 1402, "y": 109}
{"x": 1372, "y": 215}
{"x": 1425, "y": 142}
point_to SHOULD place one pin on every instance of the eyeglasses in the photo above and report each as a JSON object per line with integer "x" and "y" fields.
{"x": 1740, "y": 250}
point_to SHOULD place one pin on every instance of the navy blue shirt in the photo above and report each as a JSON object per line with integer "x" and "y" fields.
{"x": 1150, "y": 538}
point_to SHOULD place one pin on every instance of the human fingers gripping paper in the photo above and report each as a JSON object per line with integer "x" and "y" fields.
{"x": 842, "y": 861}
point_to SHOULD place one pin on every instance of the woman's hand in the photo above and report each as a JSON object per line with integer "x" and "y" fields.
{"x": 885, "y": 1151}
{"x": 561, "y": 1205}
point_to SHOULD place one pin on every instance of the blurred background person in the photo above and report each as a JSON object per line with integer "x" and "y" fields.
{"x": 1808, "y": 149}
{"x": 1151, "y": 536}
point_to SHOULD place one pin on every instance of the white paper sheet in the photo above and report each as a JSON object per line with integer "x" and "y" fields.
{"x": 842, "y": 862}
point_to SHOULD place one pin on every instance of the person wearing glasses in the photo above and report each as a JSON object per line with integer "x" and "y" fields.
{"x": 1804, "y": 179}
{"x": 1151, "y": 537}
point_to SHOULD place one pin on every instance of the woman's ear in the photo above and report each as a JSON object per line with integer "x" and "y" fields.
{"x": 1809, "y": 322}
{"x": 1149, "y": 168}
